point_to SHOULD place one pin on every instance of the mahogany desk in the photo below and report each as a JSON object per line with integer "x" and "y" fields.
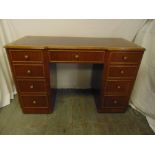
{"x": 115, "y": 66}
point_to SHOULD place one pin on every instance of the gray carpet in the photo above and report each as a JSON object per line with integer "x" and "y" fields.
{"x": 74, "y": 113}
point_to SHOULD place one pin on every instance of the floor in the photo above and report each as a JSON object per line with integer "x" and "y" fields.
{"x": 74, "y": 113}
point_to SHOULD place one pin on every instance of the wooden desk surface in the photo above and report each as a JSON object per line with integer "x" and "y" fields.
{"x": 42, "y": 42}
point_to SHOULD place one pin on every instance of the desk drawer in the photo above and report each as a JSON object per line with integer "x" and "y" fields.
{"x": 70, "y": 56}
{"x": 31, "y": 85}
{"x": 90, "y": 56}
{"x": 125, "y": 57}
{"x": 122, "y": 72}
{"x": 115, "y": 101}
{"x": 28, "y": 71}
{"x": 115, "y": 87}
{"x": 34, "y": 101}
{"x": 34, "y": 56}
{"x": 61, "y": 56}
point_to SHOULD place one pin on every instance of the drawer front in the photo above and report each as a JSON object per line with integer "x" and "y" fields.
{"x": 115, "y": 101}
{"x": 89, "y": 56}
{"x": 28, "y": 71}
{"x": 59, "y": 56}
{"x": 125, "y": 57}
{"x": 34, "y": 101}
{"x": 34, "y": 56}
{"x": 31, "y": 85}
{"x": 122, "y": 71}
{"x": 115, "y": 87}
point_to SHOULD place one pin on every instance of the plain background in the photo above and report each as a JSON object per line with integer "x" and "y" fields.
{"x": 81, "y": 144}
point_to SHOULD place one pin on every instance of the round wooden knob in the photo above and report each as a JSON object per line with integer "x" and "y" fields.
{"x": 118, "y": 87}
{"x": 31, "y": 86}
{"x": 26, "y": 57}
{"x": 122, "y": 72}
{"x": 28, "y": 71}
{"x": 115, "y": 102}
{"x": 34, "y": 102}
{"x": 76, "y": 56}
{"x": 125, "y": 58}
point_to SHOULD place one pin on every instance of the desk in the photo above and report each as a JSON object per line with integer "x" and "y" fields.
{"x": 117, "y": 60}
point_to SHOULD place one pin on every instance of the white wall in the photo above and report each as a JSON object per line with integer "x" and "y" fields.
{"x": 73, "y": 75}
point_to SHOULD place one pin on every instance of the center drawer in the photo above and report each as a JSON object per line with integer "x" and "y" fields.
{"x": 76, "y": 56}
{"x": 29, "y": 71}
{"x": 31, "y": 85}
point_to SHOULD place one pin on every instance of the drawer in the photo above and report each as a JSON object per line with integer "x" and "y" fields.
{"x": 115, "y": 101}
{"x": 31, "y": 85}
{"x": 115, "y": 87}
{"x": 28, "y": 71}
{"x": 122, "y": 72}
{"x": 34, "y": 101}
{"x": 63, "y": 56}
{"x": 90, "y": 56}
{"x": 125, "y": 57}
{"x": 34, "y": 56}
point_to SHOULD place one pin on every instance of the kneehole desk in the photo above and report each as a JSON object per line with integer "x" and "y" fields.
{"x": 115, "y": 65}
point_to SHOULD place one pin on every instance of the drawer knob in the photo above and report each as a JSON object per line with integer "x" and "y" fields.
{"x": 115, "y": 102}
{"x": 34, "y": 102}
{"x": 26, "y": 57}
{"x": 28, "y": 71}
{"x": 125, "y": 58}
{"x": 122, "y": 72}
{"x": 76, "y": 56}
{"x": 118, "y": 87}
{"x": 31, "y": 86}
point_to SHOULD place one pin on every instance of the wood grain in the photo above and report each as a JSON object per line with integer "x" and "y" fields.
{"x": 43, "y": 42}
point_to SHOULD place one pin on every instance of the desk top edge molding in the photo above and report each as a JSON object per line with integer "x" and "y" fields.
{"x": 74, "y": 43}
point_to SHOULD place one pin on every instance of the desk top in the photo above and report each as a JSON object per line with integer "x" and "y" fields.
{"x": 53, "y": 42}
